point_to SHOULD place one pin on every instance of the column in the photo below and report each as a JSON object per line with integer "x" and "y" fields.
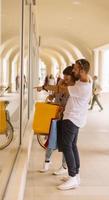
{"x": 95, "y": 62}
{"x": 14, "y": 74}
{"x": 100, "y": 69}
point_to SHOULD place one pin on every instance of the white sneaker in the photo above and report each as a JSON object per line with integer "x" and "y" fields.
{"x": 46, "y": 167}
{"x": 71, "y": 183}
{"x": 60, "y": 171}
{"x": 78, "y": 178}
{"x": 65, "y": 178}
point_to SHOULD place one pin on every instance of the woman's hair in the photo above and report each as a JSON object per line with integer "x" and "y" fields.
{"x": 68, "y": 70}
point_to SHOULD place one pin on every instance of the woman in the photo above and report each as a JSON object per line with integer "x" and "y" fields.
{"x": 60, "y": 99}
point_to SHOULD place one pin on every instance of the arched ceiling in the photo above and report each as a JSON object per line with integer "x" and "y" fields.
{"x": 8, "y": 44}
{"x": 72, "y": 49}
{"x": 64, "y": 52}
{"x": 70, "y": 28}
{"x": 55, "y": 54}
{"x": 84, "y": 23}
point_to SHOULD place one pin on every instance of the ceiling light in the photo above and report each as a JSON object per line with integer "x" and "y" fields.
{"x": 70, "y": 18}
{"x": 76, "y": 2}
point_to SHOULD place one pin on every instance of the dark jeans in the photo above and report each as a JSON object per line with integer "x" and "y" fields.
{"x": 95, "y": 99}
{"x": 69, "y": 145}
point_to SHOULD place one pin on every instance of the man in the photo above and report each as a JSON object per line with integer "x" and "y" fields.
{"x": 96, "y": 92}
{"x": 75, "y": 115}
{"x": 74, "y": 118}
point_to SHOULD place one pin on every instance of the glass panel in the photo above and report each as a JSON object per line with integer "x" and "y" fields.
{"x": 25, "y": 66}
{"x": 34, "y": 70}
{"x": 10, "y": 18}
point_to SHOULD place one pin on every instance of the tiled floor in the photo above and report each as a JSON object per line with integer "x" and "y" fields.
{"x": 94, "y": 153}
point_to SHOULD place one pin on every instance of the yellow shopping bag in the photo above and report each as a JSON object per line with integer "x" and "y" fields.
{"x": 3, "y": 124}
{"x": 44, "y": 113}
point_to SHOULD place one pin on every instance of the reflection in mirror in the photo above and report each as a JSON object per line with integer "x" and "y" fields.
{"x": 9, "y": 86}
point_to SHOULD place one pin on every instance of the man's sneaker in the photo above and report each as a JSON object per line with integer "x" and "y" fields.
{"x": 46, "y": 167}
{"x": 78, "y": 178}
{"x": 100, "y": 109}
{"x": 65, "y": 178}
{"x": 71, "y": 183}
{"x": 60, "y": 171}
{"x": 90, "y": 109}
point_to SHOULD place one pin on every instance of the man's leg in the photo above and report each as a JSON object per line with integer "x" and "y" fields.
{"x": 93, "y": 102}
{"x": 64, "y": 161}
{"x": 76, "y": 154}
{"x": 69, "y": 137}
{"x": 96, "y": 99}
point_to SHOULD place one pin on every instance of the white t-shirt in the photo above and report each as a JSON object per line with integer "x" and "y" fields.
{"x": 77, "y": 104}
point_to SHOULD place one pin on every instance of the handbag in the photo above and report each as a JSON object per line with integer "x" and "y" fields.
{"x": 3, "y": 122}
{"x": 44, "y": 113}
{"x": 52, "y": 140}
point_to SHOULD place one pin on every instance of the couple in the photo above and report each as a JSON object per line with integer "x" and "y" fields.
{"x": 74, "y": 117}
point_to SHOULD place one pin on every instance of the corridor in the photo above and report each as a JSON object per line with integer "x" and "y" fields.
{"x": 38, "y": 40}
{"x": 94, "y": 153}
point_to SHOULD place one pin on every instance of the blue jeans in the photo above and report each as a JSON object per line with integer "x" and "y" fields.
{"x": 69, "y": 146}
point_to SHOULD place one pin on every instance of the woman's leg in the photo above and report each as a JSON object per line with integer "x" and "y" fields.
{"x": 48, "y": 154}
{"x": 47, "y": 163}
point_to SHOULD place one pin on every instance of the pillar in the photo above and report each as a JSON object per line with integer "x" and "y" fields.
{"x": 100, "y": 69}
{"x": 95, "y": 62}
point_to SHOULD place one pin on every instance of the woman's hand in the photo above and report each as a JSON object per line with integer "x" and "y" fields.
{"x": 51, "y": 97}
{"x": 38, "y": 88}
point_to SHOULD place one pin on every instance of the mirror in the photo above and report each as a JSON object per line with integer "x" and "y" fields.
{"x": 10, "y": 19}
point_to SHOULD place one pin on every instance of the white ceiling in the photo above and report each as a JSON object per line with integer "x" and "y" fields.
{"x": 84, "y": 23}
{"x": 69, "y": 29}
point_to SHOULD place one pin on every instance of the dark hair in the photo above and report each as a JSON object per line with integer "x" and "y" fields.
{"x": 84, "y": 64}
{"x": 68, "y": 70}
